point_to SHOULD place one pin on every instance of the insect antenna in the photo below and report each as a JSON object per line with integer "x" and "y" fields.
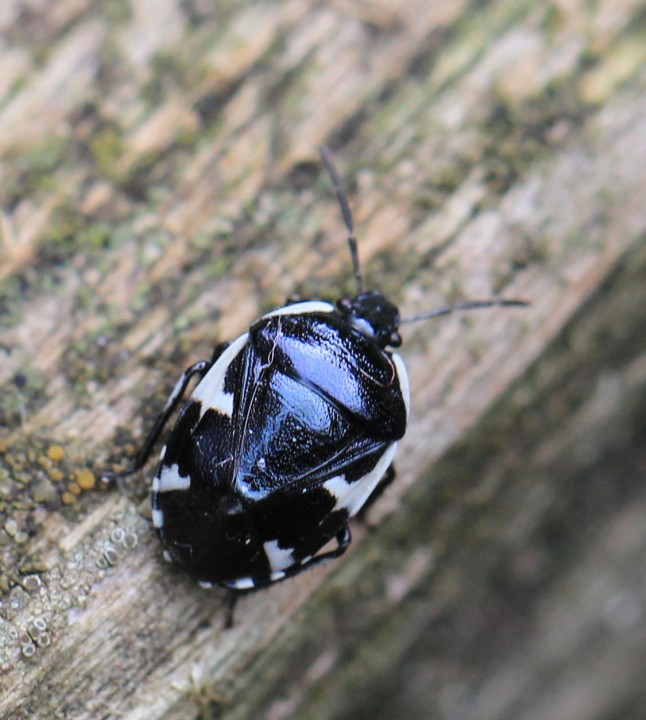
{"x": 326, "y": 156}
{"x": 465, "y": 305}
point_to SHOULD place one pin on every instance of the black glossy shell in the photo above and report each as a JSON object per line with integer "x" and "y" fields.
{"x": 280, "y": 443}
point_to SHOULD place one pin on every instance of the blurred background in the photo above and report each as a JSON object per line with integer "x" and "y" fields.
{"x": 160, "y": 187}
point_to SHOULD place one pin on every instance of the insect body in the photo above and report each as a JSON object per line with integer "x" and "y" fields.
{"x": 282, "y": 441}
{"x": 291, "y": 429}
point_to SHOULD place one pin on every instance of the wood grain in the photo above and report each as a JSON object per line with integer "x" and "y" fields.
{"x": 160, "y": 187}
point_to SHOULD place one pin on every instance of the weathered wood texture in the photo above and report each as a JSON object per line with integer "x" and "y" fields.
{"x": 160, "y": 187}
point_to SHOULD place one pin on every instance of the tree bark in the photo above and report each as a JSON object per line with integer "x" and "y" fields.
{"x": 160, "y": 188}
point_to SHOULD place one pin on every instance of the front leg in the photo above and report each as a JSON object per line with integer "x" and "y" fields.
{"x": 343, "y": 539}
{"x": 199, "y": 368}
{"x": 295, "y": 298}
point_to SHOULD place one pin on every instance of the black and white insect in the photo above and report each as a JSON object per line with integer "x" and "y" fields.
{"x": 292, "y": 428}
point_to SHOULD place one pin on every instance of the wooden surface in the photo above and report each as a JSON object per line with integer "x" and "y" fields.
{"x": 160, "y": 187}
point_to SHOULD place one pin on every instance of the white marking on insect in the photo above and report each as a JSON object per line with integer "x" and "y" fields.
{"x": 170, "y": 479}
{"x": 279, "y": 558}
{"x": 363, "y": 326}
{"x": 352, "y": 496}
{"x": 167, "y": 556}
{"x": 277, "y": 576}
{"x": 210, "y": 390}
{"x": 242, "y": 583}
{"x": 301, "y": 308}
{"x": 155, "y": 484}
{"x": 162, "y": 454}
{"x": 404, "y": 385}
{"x": 205, "y": 585}
{"x": 158, "y": 518}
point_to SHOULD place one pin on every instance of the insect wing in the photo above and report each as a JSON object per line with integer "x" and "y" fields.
{"x": 323, "y": 352}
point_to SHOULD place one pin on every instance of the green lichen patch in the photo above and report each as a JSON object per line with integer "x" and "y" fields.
{"x": 24, "y": 392}
{"x": 33, "y": 170}
{"x": 106, "y": 147}
{"x": 117, "y": 12}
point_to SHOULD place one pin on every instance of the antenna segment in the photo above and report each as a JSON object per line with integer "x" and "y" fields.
{"x": 347, "y": 215}
{"x": 465, "y": 305}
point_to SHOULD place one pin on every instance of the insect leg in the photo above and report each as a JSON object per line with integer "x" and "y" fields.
{"x": 231, "y": 602}
{"x": 343, "y": 539}
{"x": 295, "y": 298}
{"x": 218, "y": 350}
{"x": 200, "y": 368}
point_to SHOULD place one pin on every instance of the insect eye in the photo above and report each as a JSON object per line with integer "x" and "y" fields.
{"x": 345, "y": 305}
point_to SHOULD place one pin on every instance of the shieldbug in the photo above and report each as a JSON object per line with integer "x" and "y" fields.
{"x": 289, "y": 432}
